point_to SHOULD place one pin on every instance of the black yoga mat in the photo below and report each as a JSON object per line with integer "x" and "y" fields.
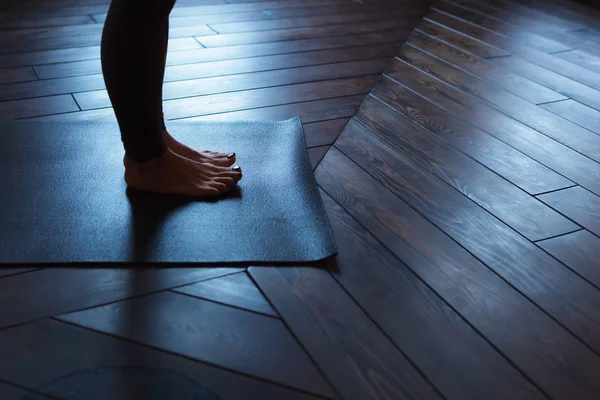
{"x": 64, "y": 200}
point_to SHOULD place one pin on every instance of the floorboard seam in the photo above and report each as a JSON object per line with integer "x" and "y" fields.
{"x": 554, "y": 101}
{"x": 552, "y": 191}
{"x": 223, "y": 304}
{"x": 555, "y": 236}
{"x": 19, "y": 273}
{"x": 254, "y": 108}
{"x": 30, "y": 390}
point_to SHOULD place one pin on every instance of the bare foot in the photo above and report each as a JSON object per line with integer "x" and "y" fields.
{"x": 211, "y": 157}
{"x": 174, "y": 174}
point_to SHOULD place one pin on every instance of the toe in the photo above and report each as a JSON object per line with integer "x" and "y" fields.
{"x": 220, "y": 161}
{"x": 228, "y": 162}
{"x": 229, "y": 181}
{"x": 221, "y": 187}
{"x": 206, "y": 191}
{"x": 231, "y": 175}
{"x": 225, "y": 160}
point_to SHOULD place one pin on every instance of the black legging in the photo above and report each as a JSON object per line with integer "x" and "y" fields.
{"x": 134, "y": 51}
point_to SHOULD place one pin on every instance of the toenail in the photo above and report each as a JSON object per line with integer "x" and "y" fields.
{"x": 236, "y": 168}
{"x": 230, "y": 155}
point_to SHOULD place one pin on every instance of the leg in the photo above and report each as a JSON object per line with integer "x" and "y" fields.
{"x": 134, "y": 48}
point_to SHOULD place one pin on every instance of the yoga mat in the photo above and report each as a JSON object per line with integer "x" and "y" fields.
{"x": 64, "y": 199}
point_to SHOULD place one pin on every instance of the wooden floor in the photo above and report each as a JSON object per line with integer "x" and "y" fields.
{"x": 460, "y": 171}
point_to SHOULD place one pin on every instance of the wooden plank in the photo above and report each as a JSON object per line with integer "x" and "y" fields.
{"x": 49, "y": 9}
{"x": 337, "y": 9}
{"x": 545, "y": 77}
{"x": 524, "y": 16}
{"x": 507, "y": 162}
{"x": 241, "y": 82}
{"x": 527, "y": 31}
{"x": 19, "y": 74}
{"x": 578, "y": 204}
{"x": 579, "y": 251}
{"x": 81, "y": 7}
{"x": 453, "y": 355}
{"x": 352, "y": 352}
{"x": 228, "y": 54}
{"x": 476, "y": 47}
{"x": 300, "y": 22}
{"x": 517, "y": 24}
{"x": 572, "y": 11}
{"x": 220, "y": 8}
{"x": 237, "y": 340}
{"x": 244, "y": 5}
{"x": 216, "y": 70}
{"x": 576, "y": 112}
{"x": 218, "y": 103}
{"x": 61, "y": 290}
{"x": 581, "y": 58}
{"x": 480, "y": 68}
{"x": 537, "y": 57}
{"x": 220, "y": 76}
{"x": 555, "y": 81}
{"x": 585, "y": 40}
{"x": 102, "y": 114}
{"x": 324, "y": 132}
{"x": 22, "y": 23}
{"x": 74, "y": 54}
{"x": 559, "y": 129}
{"x": 37, "y": 107}
{"x": 234, "y": 290}
{"x": 467, "y": 285}
{"x": 14, "y": 393}
{"x": 507, "y": 202}
{"x": 309, "y": 111}
{"x": 70, "y": 362}
{"x": 17, "y": 45}
{"x": 568, "y": 87}
{"x": 587, "y": 36}
{"x": 533, "y": 14}
{"x": 49, "y": 56}
{"x": 25, "y": 90}
{"x": 234, "y": 39}
{"x": 469, "y": 44}
{"x": 519, "y": 20}
{"x": 177, "y": 27}
{"x": 522, "y": 264}
{"x": 55, "y": 3}
{"x": 541, "y": 148}
{"x": 67, "y": 69}
{"x": 315, "y": 155}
